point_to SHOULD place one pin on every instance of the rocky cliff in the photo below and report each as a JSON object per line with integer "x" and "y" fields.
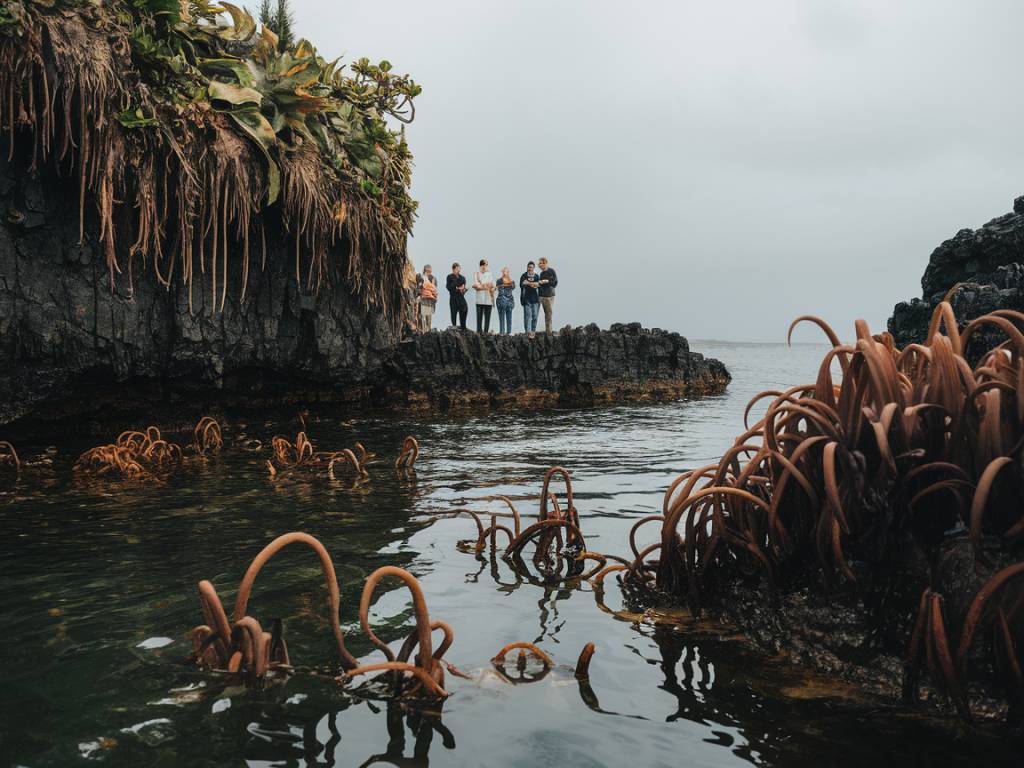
{"x": 71, "y": 348}
{"x": 982, "y": 270}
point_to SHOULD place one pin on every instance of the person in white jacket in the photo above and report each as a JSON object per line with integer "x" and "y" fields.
{"x": 483, "y": 282}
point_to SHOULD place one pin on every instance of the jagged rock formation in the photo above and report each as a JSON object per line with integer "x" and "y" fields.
{"x": 986, "y": 266}
{"x": 577, "y": 365}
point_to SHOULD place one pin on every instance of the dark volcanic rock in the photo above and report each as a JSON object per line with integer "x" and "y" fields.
{"x": 576, "y": 365}
{"x": 986, "y": 265}
{"x": 72, "y": 347}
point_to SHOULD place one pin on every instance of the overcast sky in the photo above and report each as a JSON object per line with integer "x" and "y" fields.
{"x": 714, "y": 168}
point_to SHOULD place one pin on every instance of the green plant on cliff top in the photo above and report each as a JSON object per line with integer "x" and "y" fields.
{"x": 164, "y": 70}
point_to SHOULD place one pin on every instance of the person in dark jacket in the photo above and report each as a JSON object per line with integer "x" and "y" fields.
{"x": 456, "y": 285}
{"x": 530, "y": 299}
{"x": 548, "y": 281}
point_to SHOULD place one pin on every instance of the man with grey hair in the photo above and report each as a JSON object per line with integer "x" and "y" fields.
{"x": 548, "y": 281}
{"x": 426, "y": 289}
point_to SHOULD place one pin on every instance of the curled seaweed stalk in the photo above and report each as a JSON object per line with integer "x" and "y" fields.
{"x": 408, "y": 453}
{"x": 581, "y": 672}
{"x": 546, "y": 533}
{"x": 206, "y": 437}
{"x": 426, "y": 674}
{"x": 147, "y": 455}
{"x": 241, "y": 646}
{"x": 525, "y": 649}
{"x": 302, "y": 456}
{"x": 9, "y": 457}
{"x": 836, "y": 484}
{"x": 133, "y": 456}
{"x": 995, "y": 614}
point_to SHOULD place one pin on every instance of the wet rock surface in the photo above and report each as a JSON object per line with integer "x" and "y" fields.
{"x": 576, "y": 365}
{"x": 987, "y": 267}
{"x": 861, "y": 635}
{"x": 76, "y": 353}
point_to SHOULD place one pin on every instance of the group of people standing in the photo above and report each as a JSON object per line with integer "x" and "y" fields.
{"x": 536, "y": 291}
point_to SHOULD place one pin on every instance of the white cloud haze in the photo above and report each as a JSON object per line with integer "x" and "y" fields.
{"x": 711, "y": 168}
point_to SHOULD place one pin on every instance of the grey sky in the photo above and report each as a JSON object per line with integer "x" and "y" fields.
{"x": 712, "y": 168}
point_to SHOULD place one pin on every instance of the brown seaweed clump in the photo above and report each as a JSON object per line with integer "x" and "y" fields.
{"x": 241, "y": 646}
{"x": 871, "y": 489}
{"x": 148, "y": 455}
{"x": 555, "y": 534}
{"x": 9, "y": 457}
{"x": 301, "y": 456}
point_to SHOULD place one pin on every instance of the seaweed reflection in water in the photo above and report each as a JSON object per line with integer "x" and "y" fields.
{"x": 322, "y": 742}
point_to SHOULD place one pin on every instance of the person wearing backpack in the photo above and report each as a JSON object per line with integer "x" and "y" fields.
{"x": 427, "y": 285}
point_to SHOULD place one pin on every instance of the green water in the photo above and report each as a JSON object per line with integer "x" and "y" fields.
{"x": 98, "y": 596}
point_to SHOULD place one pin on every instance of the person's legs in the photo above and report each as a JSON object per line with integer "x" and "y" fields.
{"x": 455, "y": 313}
{"x": 479, "y": 318}
{"x": 463, "y": 314}
{"x": 530, "y": 317}
{"x": 508, "y": 319}
{"x": 548, "y": 302}
{"x": 427, "y": 321}
{"x": 487, "y": 318}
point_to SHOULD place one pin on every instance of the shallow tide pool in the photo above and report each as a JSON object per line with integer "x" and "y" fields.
{"x": 98, "y": 597}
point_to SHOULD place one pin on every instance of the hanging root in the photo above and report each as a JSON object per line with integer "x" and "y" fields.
{"x": 171, "y": 185}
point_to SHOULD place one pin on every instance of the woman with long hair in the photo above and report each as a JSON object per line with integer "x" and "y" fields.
{"x": 506, "y": 301}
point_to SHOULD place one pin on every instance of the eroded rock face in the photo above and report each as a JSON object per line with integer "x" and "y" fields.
{"x": 577, "y": 365}
{"x": 73, "y": 351}
{"x": 988, "y": 265}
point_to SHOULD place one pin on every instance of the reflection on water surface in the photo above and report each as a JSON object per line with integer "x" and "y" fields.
{"x": 98, "y": 596}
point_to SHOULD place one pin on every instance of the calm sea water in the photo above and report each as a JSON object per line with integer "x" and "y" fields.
{"x": 98, "y": 595}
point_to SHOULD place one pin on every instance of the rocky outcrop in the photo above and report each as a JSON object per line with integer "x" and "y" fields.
{"x": 986, "y": 266}
{"x": 75, "y": 352}
{"x": 577, "y": 366}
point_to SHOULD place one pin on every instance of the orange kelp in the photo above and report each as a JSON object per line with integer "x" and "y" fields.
{"x": 9, "y": 456}
{"x": 546, "y": 533}
{"x": 145, "y": 455}
{"x": 301, "y": 455}
{"x": 858, "y": 487}
{"x": 243, "y": 647}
